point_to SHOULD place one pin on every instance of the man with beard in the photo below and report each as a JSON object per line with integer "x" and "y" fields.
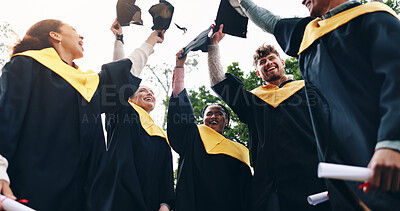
{"x": 282, "y": 144}
{"x": 350, "y": 54}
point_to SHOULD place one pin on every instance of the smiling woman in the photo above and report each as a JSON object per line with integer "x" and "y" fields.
{"x": 214, "y": 171}
{"x": 50, "y": 126}
{"x": 139, "y": 165}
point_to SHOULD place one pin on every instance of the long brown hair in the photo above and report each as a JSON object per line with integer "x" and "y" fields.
{"x": 37, "y": 37}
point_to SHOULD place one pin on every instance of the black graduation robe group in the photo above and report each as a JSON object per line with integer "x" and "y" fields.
{"x": 283, "y": 148}
{"x": 353, "y": 74}
{"x": 206, "y": 182}
{"x": 138, "y": 173}
{"x": 51, "y": 136}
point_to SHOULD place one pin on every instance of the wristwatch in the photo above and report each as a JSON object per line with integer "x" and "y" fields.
{"x": 120, "y": 37}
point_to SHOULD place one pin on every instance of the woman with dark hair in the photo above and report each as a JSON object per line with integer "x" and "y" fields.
{"x": 50, "y": 126}
{"x": 214, "y": 171}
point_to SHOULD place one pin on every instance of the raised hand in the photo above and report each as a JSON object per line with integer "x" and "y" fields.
{"x": 217, "y": 36}
{"x": 116, "y": 28}
{"x": 180, "y": 62}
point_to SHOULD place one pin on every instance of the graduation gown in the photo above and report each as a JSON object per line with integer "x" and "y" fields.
{"x": 353, "y": 74}
{"x": 283, "y": 149}
{"x": 138, "y": 173}
{"x": 50, "y": 134}
{"x": 206, "y": 182}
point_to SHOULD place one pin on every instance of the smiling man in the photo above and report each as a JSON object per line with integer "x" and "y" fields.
{"x": 350, "y": 54}
{"x": 282, "y": 145}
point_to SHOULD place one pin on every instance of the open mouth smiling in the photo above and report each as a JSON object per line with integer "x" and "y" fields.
{"x": 148, "y": 99}
{"x": 271, "y": 69}
{"x": 213, "y": 122}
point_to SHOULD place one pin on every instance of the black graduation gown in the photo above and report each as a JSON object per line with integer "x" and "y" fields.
{"x": 282, "y": 145}
{"x": 353, "y": 76}
{"x": 138, "y": 173}
{"x": 206, "y": 182}
{"x": 51, "y": 136}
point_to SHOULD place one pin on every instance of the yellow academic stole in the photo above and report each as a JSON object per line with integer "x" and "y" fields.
{"x": 275, "y": 95}
{"x": 215, "y": 143}
{"x": 148, "y": 124}
{"x": 318, "y": 28}
{"x": 84, "y": 82}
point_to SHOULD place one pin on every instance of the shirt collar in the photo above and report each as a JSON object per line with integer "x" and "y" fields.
{"x": 340, "y": 8}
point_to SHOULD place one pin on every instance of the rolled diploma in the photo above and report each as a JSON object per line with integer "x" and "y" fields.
{"x": 318, "y": 198}
{"x": 11, "y": 205}
{"x": 343, "y": 172}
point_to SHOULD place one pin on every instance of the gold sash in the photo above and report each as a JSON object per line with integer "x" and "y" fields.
{"x": 148, "y": 124}
{"x": 84, "y": 82}
{"x": 318, "y": 28}
{"x": 215, "y": 143}
{"x": 273, "y": 95}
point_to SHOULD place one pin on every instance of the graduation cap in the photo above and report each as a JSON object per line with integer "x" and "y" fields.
{"x": 234, "y": 20}
{"x": 128, "y": 13}
{"x": 201, "y": 42}
{"x": 162, "y": 15}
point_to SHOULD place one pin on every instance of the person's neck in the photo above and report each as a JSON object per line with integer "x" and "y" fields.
{"x": 66, "y": 57}
{"x": 277, "y": 82}
{"x": 337, "y": 7}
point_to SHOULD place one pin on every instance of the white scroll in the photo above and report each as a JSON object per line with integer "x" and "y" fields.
{"x": 318, "y": 198}
{"x": 343, "y": 172}
{"x": 11, "y": 205}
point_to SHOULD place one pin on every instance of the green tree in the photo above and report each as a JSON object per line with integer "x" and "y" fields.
{"x": 395, "y": 5}
{"x": 292, "y": 68}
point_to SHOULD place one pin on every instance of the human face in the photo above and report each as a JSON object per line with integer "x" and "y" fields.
{"x": 318, "y": 8}
{"x": 71, "y": 41}
{"x": 270, "y": 68}
{"x": 215, "y": 118}
{"x": 144, "y": 97}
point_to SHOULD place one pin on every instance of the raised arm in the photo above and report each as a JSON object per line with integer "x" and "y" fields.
{"x": 140, "y": 55}
{"x": 215, "y": 69}
{"x": 180, "y": 118}
{"x": 119, "y": 52}
{"x": 229, "y": 88}
{"x": 262, "y": 17}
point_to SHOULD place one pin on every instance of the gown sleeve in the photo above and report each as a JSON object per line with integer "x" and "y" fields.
{"x": 289, "y": 34}
{"x": 385, "y": 61}
{"x": 180, "y": 119}
{"x": 232, "y": 92}
{"x": 15, "y": 85}
{"x": 117, "y": 84}
{"x": 167, "y": 181}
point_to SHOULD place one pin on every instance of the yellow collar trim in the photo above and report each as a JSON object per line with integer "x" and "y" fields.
{"x": 148, "y": 124}
{"x": 318, "y": 28}
{"x": 274, "y": 96}
{"x": 84, "y": 82}
{"x": 215, "y": 143}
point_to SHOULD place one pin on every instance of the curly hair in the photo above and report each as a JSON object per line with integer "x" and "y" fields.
{"x": 263, "y": 51}
{"x": 37, "y": 37}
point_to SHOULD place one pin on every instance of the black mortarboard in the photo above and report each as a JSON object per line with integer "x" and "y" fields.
{"x": 128, "y": 13}
{"x": 234, "y": 23}
{"x": 162, "y": 15}
{"x": 201, "y": 42}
